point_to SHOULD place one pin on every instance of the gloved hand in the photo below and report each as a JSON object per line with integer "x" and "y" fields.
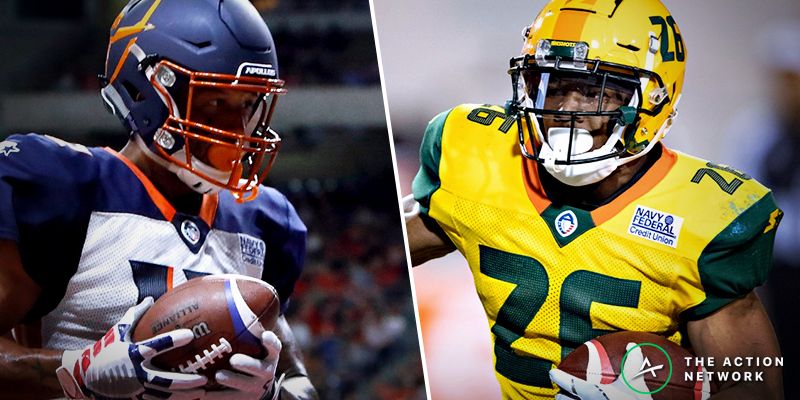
{"x": 116, "y": 368}
{"x": 410, "y": 207}
{"x": 577, "y": 388}
{"x": 251, "y": 378}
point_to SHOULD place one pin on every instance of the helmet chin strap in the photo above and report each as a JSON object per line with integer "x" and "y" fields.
{"x": 193, "y": 181}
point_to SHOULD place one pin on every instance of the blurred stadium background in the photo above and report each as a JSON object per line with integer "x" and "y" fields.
{"x": 352, "y": 310}
{"x": 439, "y": 54}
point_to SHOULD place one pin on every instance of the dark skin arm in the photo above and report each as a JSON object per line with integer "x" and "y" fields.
{"x": 296, "y": 385}
{"x": 740, "y": 329}
{"x": 24, "y": 373}
{"x": 426, "y": 240}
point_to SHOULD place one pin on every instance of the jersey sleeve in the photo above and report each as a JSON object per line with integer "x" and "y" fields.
{"x": 286, "y": 251}
{"x": 47, "y": 189}
{"x": 738, "y": 259}
{"x": 427, "y": 180}
{"x": 42, "y": 183}
{"x": 19, "y": 177}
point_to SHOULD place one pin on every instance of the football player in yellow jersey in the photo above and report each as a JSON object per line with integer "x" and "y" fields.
{"x": 577, "y": 221}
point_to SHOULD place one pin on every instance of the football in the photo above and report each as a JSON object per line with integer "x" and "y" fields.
{"x": 226, "y": 313}
{"x": 600, "y": 361}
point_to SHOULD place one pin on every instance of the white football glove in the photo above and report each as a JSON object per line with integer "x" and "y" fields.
{"x": 251, "y": 378}
{"x": 580, "y": 389}
{"x": 116, "y": 368}
{"x": 410, "y": 207}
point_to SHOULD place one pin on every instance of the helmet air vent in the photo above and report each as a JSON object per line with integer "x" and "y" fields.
{"x": 200, "y": 45}
{"x": 133, "y": 92}
{"x": 630, "y": 47}
{"x": 579, "y": 10}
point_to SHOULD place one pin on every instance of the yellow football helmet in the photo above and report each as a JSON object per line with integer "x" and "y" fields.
{"x": 625, "y": 57}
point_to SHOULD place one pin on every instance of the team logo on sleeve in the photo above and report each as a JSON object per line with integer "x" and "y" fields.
{"x": 566, "y": 223}
{"x": 7, "y": 147}
{"x": 656, "y": 226}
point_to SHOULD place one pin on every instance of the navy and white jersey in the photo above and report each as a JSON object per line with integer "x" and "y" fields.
{"x": 97, "y": 237}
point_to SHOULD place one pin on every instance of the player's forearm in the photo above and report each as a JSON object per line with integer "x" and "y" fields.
{"x": 296, "y": 384}
{"x": 419, "y": 257}
{"x": 426, "y": 240}
{"x": 751, "y": 390}
{"x": 716, "y": 337}
{"x": 28, "y": 373}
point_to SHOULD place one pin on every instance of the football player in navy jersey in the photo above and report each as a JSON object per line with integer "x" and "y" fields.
{"x": 89, "y": 237}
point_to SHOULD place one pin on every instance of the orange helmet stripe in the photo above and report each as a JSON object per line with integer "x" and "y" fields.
{"x": 115, "y": 24}
{"x": 569, "y": 25}
{"x": 139, "y": 26}
{"x": 122, "y": 60}
{"x": 126, "y": 31}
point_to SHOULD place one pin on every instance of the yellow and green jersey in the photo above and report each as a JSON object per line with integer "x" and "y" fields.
{"x": 687, "y": 238}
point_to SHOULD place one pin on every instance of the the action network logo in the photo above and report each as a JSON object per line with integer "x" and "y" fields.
{"x": 645, "y": 367}
{"x": 651, "y": 369}
{"x": 734, "y": 369}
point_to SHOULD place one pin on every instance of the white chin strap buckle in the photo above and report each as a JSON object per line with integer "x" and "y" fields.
{"x": 556, "y": 149}
{"x": 559, "y": 140}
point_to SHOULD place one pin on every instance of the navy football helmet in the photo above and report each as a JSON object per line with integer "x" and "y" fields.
{"x": 196, "y": 83}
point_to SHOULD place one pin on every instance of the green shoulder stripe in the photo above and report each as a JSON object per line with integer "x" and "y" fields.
{"x": 430, "y": 153}
{"x": 738, "y": 259}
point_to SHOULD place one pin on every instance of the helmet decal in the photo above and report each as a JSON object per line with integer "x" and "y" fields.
{"x": 120, "y": 33}
{"x": 253, "y": 69}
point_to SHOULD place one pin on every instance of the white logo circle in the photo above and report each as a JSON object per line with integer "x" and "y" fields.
{"x": 566, "y": 223}
{"x": 190, "y": 231}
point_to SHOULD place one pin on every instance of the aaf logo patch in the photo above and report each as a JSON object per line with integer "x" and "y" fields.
{"x": 7, "y": 147}
{"x": 656, "y": 226}
{"x": 253, "y": 250}
{"x": 190, "y": 231}
{"x": 566, "y": 223}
